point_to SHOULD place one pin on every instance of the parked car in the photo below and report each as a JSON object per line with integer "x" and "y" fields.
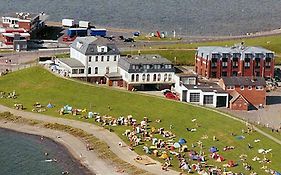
{"x": 129, "y": 40}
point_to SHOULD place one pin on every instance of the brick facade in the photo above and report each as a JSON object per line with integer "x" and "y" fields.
{"x": 239, "y": 104}
{"x": 221, "y": 62}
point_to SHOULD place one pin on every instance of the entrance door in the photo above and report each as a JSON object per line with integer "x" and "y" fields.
{"x": 184, "y": 95}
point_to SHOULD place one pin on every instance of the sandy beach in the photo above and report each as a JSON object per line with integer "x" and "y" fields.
{"x": 74, "y": 145}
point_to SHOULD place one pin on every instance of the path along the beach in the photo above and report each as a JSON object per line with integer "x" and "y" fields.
{"x": 109, "y": 138}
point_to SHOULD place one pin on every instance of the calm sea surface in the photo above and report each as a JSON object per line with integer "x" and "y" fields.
{"x": 188, "y": 17}
{"x": 24, "y": 154}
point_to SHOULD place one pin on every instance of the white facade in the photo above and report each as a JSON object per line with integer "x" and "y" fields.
{"x": 96, "y": 65}
{"x": 147, "y": 78}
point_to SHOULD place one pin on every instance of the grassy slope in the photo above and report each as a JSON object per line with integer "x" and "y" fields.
{"x": 36, "y": 84}
{"x": 187, "y": 57}
{"x": 184, "y": 57}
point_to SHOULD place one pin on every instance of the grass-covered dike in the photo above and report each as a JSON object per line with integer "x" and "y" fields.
{"x": 38, "y": 85}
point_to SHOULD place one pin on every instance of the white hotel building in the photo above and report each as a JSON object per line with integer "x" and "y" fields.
{"x": 90, "y": 59}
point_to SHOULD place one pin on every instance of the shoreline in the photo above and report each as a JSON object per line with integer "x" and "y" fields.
{"x": 75, "y": 146}
{"x": 201, "y": 38}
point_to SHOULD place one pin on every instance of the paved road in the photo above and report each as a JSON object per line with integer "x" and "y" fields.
{"x": 109, "y": 138}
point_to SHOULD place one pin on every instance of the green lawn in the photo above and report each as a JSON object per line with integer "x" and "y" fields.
{"x": 187, "y": 57}
{"x": 38, "y": 85}
{"x": 183, "y": 57}
{"x": 63, "y": 55}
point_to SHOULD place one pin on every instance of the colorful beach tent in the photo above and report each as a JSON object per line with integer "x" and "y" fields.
{"x": 213, "y": 149}
{"x": 177, "y": 145}
{"x": 164, "y": 155}
{"x": 50, "y": 105}
{"x": 182, "y": 141}
{"x": 231, "y": 163}
{"x": 220, "y": 159}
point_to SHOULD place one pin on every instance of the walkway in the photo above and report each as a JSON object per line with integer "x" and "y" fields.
{"x": 111, "y": 139}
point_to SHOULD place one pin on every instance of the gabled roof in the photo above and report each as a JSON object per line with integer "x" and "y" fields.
{"x": 88, "y": 45}
{"x": 235, "y": 95}
{"x": 244, "y": 81}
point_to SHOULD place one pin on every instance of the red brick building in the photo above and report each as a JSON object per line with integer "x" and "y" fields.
{"x": 245, "y": 92}
{"x": 217, "y": 62}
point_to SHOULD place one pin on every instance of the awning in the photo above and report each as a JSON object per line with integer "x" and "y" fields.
{"x": 13, "y": 34}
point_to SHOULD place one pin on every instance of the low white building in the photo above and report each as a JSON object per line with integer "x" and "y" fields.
{"x": 189, "y": 90}
{"x": 146, "y": 72}
{"x": 98, "y": 55}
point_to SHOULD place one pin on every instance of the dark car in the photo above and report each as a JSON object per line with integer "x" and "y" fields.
{"x": 129, "y": 40}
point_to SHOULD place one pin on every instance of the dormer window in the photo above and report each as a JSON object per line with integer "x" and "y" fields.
{"x": 102, "y": 49}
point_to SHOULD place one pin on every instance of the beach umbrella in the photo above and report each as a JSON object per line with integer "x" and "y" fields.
{"x": 240, "y": 137}
{"x": 213, "y": 149}
{"x": 182, "y": 141}
{"x": 177, "y": 145}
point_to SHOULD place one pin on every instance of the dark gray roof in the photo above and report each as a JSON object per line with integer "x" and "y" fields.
{"x": 244, "y": 81}
{"x": 88, "y": 45}
{"x": 206, "y": 88}
{"x": 147, "y": 59}
{"x": 73, "y": 63}
{"x": 127, "y": 63}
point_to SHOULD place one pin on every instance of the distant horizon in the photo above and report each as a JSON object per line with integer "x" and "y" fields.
{"x": 192, "y": 17}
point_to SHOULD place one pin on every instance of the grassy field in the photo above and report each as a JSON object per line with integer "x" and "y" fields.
{"x": 187, "y": 57}
{"x": 38, "y": 85}
{"x": 183, "y": 57}
{"x": 63, "y": 55}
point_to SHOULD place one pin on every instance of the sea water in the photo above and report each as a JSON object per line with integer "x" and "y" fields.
{"x": 24, "y": 154}
{"x": 187, "y": 17}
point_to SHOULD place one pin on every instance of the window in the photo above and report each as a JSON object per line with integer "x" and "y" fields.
{"x": 107, "y": 70}
{"x": 235, "y": 63}
{"x": 102, "y": 58}
{"x": 90, "y": 58}
{"x": 259, "y": 88}
{"x": 235, "y": 73}
{"x": 194, "y": 97}
{"x": 213, "y": 74}
{"x": 143, "y": 77}
{"x": 170, "y": 77}
{"x": 97, "y": 58}
{"x": 133, "y": 77}
{"x": 74, "y": 71}
{"x": 107, "y": 58}
{"x": 257, "y": 62}
{"x": 242, "y": 87}
{"x": 115, "y": 58}
{"x": 250, "y": 87}
{"x": 247, "y": 63}
{"x": 148, "y": 77}
{"x": 159, "y": 77}
{"x": 208, "y": 99}
{"x": 236, "y": 55}
{"x": 224, "y": 62}
{"x": 137, "y": 78}
{"x": 165, "y": 77}
{"x": 267, "y": 62}
{"x": 102, "y": 49}
{"x": 230, "y": 87}
{"x": 224, "y": 74}
{"x": 81, "y": 71}
{"x": 133, "y": 67}
{"x": 96, "y": 70}
{"x": 89, "y": 70}
{"x": 154, "y": 77}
